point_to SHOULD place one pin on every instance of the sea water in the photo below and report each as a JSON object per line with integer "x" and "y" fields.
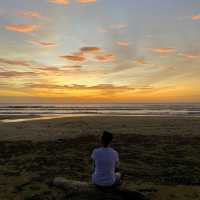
{"x": 131, "y": 109}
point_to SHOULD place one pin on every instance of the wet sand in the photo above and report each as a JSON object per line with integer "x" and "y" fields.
{"x": 70, "y": 127}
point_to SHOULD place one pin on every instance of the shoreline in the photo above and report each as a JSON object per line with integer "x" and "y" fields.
{"x": 71, "y": 127}
{"x": 24, "y": 118}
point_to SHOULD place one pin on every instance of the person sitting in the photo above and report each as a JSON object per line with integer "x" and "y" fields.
{"x": 105, "y": 162}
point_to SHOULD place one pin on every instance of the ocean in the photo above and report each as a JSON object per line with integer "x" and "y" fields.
{"x": 131, "y": 109}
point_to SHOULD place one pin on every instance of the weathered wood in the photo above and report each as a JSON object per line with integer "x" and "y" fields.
{"x": 72, "y": 186}
{"x": 78, "y": 188}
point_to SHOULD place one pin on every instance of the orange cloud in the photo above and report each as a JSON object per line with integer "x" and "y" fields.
{"x": 196, "y": 17}
{"x": 14, "y": 74}
{"x": 59, "y": 70}
{"x": 14, "y": 62}
{"x": 190, "y": 55}
{"x": 86, "y": 1}
{"x": 82, "y": 55}
{"x": 123, "y": 43}
{"x": 90, "y": 49}
{"x": 163, "y": 50}
{"x": 62, "y": 2}
{"x": 24, "y": 28}
{"x": 82, "y": 87}
{"x": 140, "y": 61}
{"x": 77, "y": 58}
{"x": 44, "y": 44}
{"x": 31, "y": 14}
{"x": 105, "y": 57}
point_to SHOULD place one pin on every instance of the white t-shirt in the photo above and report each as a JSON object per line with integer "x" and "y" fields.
{"x": 105, "y": 163}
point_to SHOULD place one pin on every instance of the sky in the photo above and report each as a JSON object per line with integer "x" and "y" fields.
{"x": 65, "y": 51}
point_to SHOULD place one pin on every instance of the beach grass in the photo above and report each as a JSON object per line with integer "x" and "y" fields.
{"x": 163, "y": 166}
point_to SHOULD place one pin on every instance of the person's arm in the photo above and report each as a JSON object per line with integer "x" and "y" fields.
{"x": 93, "y": 162}
{"x": 92, "y": 166}
{"x": 117, "y": 164}
{"x": 117, "y": 167}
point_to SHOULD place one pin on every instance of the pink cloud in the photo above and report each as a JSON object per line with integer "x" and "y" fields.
{"x": 86, "y": 1}
{"x": 31, "y": 14}
{"x": 189, "y": 55}
{"x": 14, "y": 74}
{"x": 140, "y": 61}
{"x": 85, "y": 53}
{"x": 163, "y": 50}
{"x": 81, "y": 55}
{"x": 55, "y": 70}
{"x": 90, "y": 49}
{"x": 44, "y": 44}
{"x": 122, "y": 43}
{"x": 62, "y": 2}
{"x": 23, "y": 28}
{"x": 77, "y": 58}
{"x": 105, "y": 57}
{"x": 196, "y": 17}
{"x": 14, "y": 62}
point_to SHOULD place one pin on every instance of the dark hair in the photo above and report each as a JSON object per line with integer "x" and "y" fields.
{"x": 106, "y": 138}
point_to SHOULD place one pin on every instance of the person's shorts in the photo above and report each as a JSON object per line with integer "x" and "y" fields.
{"x": 118, "y": 181}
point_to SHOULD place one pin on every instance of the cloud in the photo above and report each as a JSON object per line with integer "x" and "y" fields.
{"x": 49, "y": 69}
{"x": 86, "y": 1}
{"x": 90, "y": 49}
{"x": 112, "y": 27}
{"x": 14, "y": 62}
{"x": 62, "y": 2}
{"x": 163, "y": 50}
{"x": 111, "y": 87}
{"x": 74, "y": 67}
{"x": 59, "y": 70}
{"x": 118, "y": 26}
{"x": 105, "y": 57}
{"x": 140, "y": 61}
{"x": 122, "y": 43}
{"x": 102, "y": 30}
{"x": 44, "y": 44}
{"x": 81, "y": 87}
{"x": 14, "y": 74}
{"x": 74, "y": 57}
{"x": 189, "y": 55}
{"x": 31, "y": 14}
{"x": 39, "y": 66}
{"x": 24, "y": 28}
{"x": 83, "y": 52}
{"x": 196, "y": 17}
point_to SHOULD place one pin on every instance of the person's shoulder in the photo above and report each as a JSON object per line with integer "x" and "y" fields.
{"x": 115, "y": 154}
{"x": 95, "y": 150}
{"x": 94, "y": 153}
{"x": 113, "y": 150}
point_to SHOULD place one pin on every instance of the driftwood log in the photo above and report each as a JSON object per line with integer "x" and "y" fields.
{"x": 83, "y": 190}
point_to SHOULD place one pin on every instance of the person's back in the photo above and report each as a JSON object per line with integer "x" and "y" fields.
{"x": 105, "y": 160}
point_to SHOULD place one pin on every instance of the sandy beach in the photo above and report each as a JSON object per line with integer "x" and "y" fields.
{"x": 159, "y": 155}
{"x": 71, "y": 127}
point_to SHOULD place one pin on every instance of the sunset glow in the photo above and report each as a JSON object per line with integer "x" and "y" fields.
{"x": 99, "y": 51}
